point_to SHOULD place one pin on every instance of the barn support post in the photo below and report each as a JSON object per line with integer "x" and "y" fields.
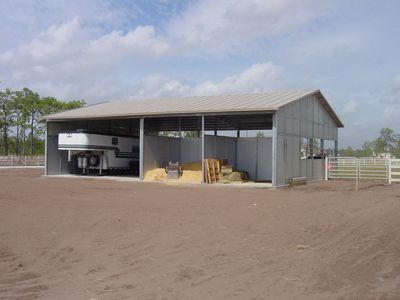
{"x": 326, "y": 168}
{"x": 141, "y": 148}
{"x": 274, "y": 149}
{"x": 202, "y": 149}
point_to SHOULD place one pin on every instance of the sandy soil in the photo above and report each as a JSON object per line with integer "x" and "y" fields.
{"x": 96, "y": 239}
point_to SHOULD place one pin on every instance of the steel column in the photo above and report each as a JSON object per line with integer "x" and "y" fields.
{"x": 274, "y": 149}
{"x": 141, "y": 149}
{"x": 202, "y": 149}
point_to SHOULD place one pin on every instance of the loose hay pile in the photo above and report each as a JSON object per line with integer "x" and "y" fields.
{"x": 191, "y": 173}
{"x": 156, "y": 175}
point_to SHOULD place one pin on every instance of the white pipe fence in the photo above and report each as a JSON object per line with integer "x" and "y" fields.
{"x": 364, "y": 168}
{"x": 22, "y": 161}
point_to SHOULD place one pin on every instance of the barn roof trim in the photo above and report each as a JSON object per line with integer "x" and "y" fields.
{"x": 221, "y": 104}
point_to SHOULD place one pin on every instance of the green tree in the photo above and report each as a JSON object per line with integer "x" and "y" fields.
{"x": 31, "y": 109}
{"x": 396, "y": 150}
{"x": 348, "y": 152}
{"x": 386, "y": 142}
{"x": 6, "y": 116}
{"x": 260, "y": 134}
{"x": 190, "y": 134}
{"x": 367, "y": 149}
{"x": 22, "y": 111}
{"x": 20, "y": 120}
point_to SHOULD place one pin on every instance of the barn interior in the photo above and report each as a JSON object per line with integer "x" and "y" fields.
{"x": 60, "y": 162}
{"x": 242, "y": 144}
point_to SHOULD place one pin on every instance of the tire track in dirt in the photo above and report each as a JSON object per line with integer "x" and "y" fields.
{"x": 15, "y": 281}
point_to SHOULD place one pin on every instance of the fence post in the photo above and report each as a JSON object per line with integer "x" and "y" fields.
{"x": 390, "y": 171}
{"x": 326, "y": 168}
{"x": 358, "y": 173}
{"x": 25, "y": 160}
{"x": 38, "y": 160}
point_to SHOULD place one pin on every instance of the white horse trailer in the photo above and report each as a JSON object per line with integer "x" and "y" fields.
{"x": 100, "y": 152}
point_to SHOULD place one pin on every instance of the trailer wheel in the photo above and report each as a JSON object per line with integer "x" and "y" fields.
{"x": 94, "y": 160}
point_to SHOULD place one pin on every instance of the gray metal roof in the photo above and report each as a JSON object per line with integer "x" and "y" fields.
{"x": 256, "y": 102}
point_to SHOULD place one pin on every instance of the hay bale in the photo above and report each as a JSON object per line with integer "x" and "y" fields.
{"x": 193, "y": 166}
{"x": 235, "y": 176}
{"x": 226, "y": 170}
{"x": 190, "y": 176}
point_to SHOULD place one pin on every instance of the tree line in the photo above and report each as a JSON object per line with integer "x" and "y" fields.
{"x": 21, "y": 126}
{"x": 385, "y": 145}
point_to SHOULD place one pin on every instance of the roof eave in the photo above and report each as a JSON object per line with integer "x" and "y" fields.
{"x": 50, "y": 118}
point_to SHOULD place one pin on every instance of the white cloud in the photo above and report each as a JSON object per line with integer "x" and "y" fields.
{"x": 77, "y": 55}
{"x": 350, "y": 107}
{"x": 142, "y": 41}
{"x": 155, "y": 86}
{"x": 393, "y": 96}
{"x": 391, "y": 103}
{"x": 93, "y": 50}
{"x": 68, "y": 59}
{"x": 229, "y": 26}
{"x": 259, "y": 77}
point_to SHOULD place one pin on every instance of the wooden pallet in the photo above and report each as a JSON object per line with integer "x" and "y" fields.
{"x": 212, "y": 170}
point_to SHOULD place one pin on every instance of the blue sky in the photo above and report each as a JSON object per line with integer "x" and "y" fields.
{"x": 101, "y": 50}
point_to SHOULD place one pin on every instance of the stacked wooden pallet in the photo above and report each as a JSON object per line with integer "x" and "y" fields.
{"x": 212, "y": 169}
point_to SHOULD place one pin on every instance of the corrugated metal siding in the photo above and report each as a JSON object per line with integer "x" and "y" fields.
{"x": 315, "y": 122}
{"x": 270, "y": 101}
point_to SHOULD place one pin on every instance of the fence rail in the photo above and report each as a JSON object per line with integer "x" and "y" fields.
{"x": 22, "y": 161}
{"x": 395, "y": 170}
{"x": 366, "y": 168}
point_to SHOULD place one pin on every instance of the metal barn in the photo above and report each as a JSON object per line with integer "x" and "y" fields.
{"x": 273, "y": 136}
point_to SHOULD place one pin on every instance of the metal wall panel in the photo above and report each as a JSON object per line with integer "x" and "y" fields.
{"x": 158, "y": 151}
{"x": 280, "y": 165}
{"x": 296, "y": 156}
{"x": 221, "y": 147}
{"x": 264, "y": 159}
{"x": 296, "y": 127}
{"x": 53, "y": 154}
{"x": 288, "y": 155}
{"x": 254, "y": 155}
{"x": 318, "y": 169}
{"x": 304, "y": 118}
{"x": 246, "y": 156}
{"x": 303, "y": 167}
{"x": 289, "y": 125}
{"x": 190, "y": 149}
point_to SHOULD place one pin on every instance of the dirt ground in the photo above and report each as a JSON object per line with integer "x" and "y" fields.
{"x": 95, "y": 239}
